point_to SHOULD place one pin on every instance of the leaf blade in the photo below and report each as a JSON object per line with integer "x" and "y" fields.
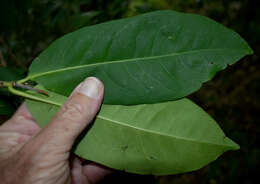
{"x": 130, "y": 57}
{"x": 164, "y": 138}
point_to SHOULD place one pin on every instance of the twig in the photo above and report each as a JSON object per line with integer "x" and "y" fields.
{"x": 15, "y": 85}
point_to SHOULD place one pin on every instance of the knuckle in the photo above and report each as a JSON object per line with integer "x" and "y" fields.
{"x": 72, "y": 110}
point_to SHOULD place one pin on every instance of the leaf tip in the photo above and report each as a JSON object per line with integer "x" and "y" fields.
{"x": 235, "y": 146}
{"x": 232, "y": 144}
{"x": 250, "y": 50}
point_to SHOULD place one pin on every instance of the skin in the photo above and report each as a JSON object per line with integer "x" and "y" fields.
{"x": 31, "y": 155}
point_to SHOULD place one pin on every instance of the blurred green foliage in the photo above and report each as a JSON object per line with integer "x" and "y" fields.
{"x": 232, "y": 97}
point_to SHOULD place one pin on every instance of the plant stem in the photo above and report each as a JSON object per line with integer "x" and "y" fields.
{"x": 32, "y": 97}
{"x": 5, "y": 84}
{"x": 11, "y": 85}
{"x": 23, "y": 80}
{"x": 14, "y": 84}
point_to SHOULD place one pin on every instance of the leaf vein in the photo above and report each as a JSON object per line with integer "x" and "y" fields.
{"x": 33, "y": 76}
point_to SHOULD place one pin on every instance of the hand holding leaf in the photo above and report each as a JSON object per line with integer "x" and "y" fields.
{"x": 151, "y": 62}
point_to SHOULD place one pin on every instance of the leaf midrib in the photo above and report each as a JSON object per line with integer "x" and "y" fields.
{"x": 33, "y": 76}
{"x": 158, "y": 133}
{"x": 138, "y": 128}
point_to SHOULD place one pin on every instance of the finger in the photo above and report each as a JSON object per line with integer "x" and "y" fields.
{"x": 76, "y": 171}
{"x": 21, "y": 113}
{"x": 76, "y": 113}
{"x": 22, "y": 122}
{"x": 95, "y": 172}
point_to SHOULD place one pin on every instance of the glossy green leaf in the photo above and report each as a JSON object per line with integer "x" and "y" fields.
{"x": 163, "y": 138}
{"x": 151, "y": 58}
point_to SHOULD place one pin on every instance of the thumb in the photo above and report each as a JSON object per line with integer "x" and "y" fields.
{"x": 75, "y": 115}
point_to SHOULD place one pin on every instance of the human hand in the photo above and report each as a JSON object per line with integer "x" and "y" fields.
{"x": 31, "y": 155}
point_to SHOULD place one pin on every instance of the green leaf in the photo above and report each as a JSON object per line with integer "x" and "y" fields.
{"x": 161, "y": 139}
{"x": 154, "y": 57}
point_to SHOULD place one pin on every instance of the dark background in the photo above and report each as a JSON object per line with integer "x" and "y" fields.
{"x": 232, "y": 97}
